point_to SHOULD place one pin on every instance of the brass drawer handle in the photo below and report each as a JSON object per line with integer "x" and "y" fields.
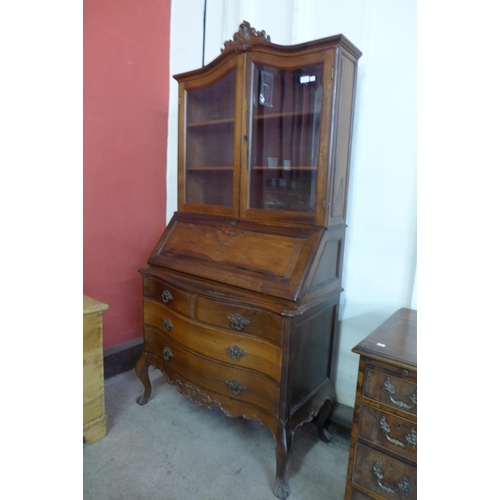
{"x": 167, "y": 324}
{"x": 167, "y": 353}
{"x": 166, "y": 296}
{"x": 235, "y": 387}
{"x": 238, "y": 322}
{"x": 390, "y": 389}
{"x": 403, "y": 485}
{"x": 234, "y": 352}
{"x": 411, "y": 438}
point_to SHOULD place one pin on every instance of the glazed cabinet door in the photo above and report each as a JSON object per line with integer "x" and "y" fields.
{"x": 209, "y": 154}
{"x": 285, "y": 151}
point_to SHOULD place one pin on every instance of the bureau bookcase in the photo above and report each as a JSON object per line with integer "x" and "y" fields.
{"x": 241, "y": 292}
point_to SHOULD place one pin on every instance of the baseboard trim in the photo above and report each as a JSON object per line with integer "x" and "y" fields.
{"x": 342, "y": 418}
{"x": 122, "y": 358}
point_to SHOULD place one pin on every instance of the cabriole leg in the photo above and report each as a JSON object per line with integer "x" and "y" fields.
{"x": 283, "y": 441}
{"x": 141, "y": 370}
{"x": 324, "y": 415}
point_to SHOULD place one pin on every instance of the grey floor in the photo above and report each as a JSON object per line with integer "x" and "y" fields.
{"x": 172, "y": 449}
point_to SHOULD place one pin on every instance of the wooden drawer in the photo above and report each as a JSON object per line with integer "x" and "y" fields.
{"x": 228, "y": 347}
{"x": 383, "y": 475}
{"x": 162, "y": 291}
{"x": 391, "y": 391}
{"x": 392, "y": 432}
{"x": 245, "y": 385}
{"x": 240, "y": 319}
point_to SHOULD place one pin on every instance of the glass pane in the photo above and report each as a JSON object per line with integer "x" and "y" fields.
{"x": 285, "y": 138}
{"x": 209, "y": 143}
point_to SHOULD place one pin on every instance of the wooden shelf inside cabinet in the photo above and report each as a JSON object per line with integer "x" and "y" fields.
{"x": 241, "y": 293}
{"x": 228, "y": 121}
{"x": 289, "y": 114}
{"x": 284, "y": 169}
{"x": 209, "y": 169}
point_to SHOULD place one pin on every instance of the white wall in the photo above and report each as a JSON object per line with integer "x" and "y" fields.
{"x": 380, "y": 252}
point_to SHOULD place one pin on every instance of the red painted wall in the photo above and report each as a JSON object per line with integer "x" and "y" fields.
{"x": 126, "y": 86}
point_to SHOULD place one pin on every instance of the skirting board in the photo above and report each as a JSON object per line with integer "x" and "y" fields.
{"x": 121, "y": 358}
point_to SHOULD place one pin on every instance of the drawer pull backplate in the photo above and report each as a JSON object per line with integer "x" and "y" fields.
{"x": 389, "y": 388}
{"x": 235, "y": 387}
{"x": 403, "y": 485}
{"x": 167, "y": 324}
{"x": 166, "y": 296}
{"x": 411, "y": 438}
{"x": 167, "y": 353}
{"x": 234, "y": 352}
{"x": 238, "y": 322}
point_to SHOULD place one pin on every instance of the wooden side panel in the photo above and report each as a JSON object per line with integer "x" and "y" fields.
{"x": 312, "y": 350}
{"x": 342, "y": 131}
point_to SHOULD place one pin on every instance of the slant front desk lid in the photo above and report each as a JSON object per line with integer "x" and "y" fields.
{"x": 262, "y": 257}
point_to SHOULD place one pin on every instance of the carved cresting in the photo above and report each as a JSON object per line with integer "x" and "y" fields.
{"x": 242, "y": 39}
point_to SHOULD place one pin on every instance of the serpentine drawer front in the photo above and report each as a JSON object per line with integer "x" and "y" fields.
{"x": 241, "y": 319}
{"x": 233, "y": 348}
{"x": 383, "y": 452}
{"x": 246, "y": 385}
{"x": 166, "y": 293}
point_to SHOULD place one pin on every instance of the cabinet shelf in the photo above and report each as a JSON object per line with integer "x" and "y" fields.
{"x": 229, "y": 121}
{"x": 261, "y": 168}
{"x": 209, "y": 169}
{"x": 211, "y": 123}
{"x": 283, "y": 169}
{"x": 288, "y": 114}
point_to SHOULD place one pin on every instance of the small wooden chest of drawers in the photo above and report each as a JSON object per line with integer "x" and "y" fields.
{"x": 383, "y": 452}
{"x": 94, "y": 414}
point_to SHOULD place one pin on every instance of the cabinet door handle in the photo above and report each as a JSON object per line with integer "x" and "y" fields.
{"x": 403, "y": 485}
{"x": 167, "y": 353}
{"x": 238, "y": 322}
{"x": 235, "y": 387}
{"x": 390, "y": 389}
{"x": 411, "y": 438}
{"x": 166, "y": 296}
{"x": 234, "y": 352}
{"x": 167, "y": 324}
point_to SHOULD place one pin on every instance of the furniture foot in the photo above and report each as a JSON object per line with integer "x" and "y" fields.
{"x": 283, "y": 441}
{"x": 141, "y": 370}
{"x": 95, "y": 430}
{"x": 323, "y": 417}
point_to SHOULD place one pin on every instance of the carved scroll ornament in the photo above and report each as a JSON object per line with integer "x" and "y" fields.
{"x": 242, "y": 39}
